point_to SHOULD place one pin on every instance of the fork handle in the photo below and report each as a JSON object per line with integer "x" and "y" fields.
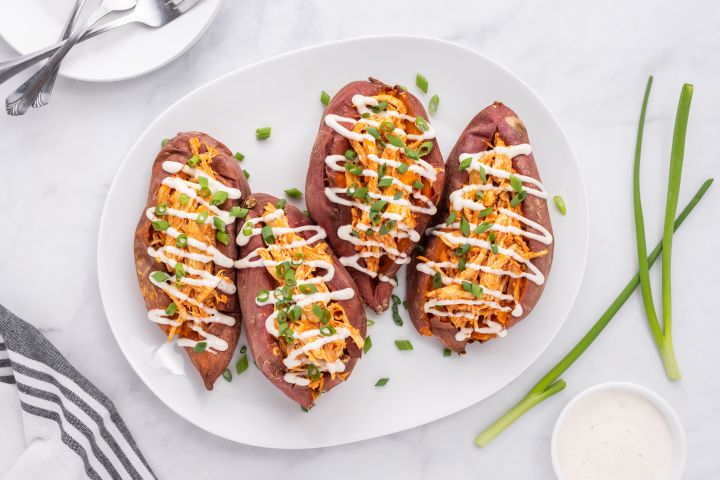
{"x": 12, "y": 67}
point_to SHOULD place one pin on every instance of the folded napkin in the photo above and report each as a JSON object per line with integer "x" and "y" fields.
{"x": 71, "y": 428}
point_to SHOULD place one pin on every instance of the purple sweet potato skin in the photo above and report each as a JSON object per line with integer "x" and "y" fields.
{"x": 481, "y": 130}
{"x": 263, "y": 345}
{"x": 331, "y": 216}
{"x": 209, "y": 365}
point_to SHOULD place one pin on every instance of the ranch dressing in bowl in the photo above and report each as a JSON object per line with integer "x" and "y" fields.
{"x": 618, "y": 431}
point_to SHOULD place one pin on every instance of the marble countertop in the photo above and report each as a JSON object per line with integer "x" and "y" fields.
{"x": 587, "y": 60}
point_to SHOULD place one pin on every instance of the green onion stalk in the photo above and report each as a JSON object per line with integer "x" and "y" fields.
{"x": 551, "y": 383}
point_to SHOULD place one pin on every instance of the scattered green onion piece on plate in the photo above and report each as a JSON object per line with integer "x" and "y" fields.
{"x": 403, "y": 345}
{"x": 382, "y": 382}
{"x": 560, "y": 204}
{"x": 324, "y": 98}
{"x": 421, "y": 82}
{"x": 433, "y": 105}
{"x": 293, "y": 193}
{"x": 263, "y": 133}
{"x": 368, "y": 342}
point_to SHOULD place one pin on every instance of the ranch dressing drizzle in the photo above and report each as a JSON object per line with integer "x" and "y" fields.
{"x": 459, "y": 203}
{"x": 213, "y": 343}
{"x": 295, "y": 358}
{"x": 420, "y": 167}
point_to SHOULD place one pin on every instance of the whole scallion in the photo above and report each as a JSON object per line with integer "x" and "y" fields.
{"x": 551, "y": 384}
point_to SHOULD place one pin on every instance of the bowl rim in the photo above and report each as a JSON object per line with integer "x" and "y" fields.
{"x": 676, "y": 428}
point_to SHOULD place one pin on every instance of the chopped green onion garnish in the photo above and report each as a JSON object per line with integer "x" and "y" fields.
{"x": 425, "y": 148}
{"x": 387, "y": 127}
{"x": 403, "y": 167}
{"x": 219, "y": 224}
{"x": 267, "y": 235}
{"x": 462, "y": 249}
{"x": 179, "y": 271}
{"x": 239, "y": 156}
{"x": 181, "y": 241}
{"x": 246, "y": 174}
{"x": 193, "y": 161}
{"x": 227, "y": 375}
{"x": 433, "y": 105}
{"x": 171, "y": 309}
{"x": 464, "y": 227}
{"x": 327, "y": 330}
{"x": 293, "y": 193}
{"x": 219, "y": 197}
{"x": 485, "y": 212}
{"x": 368, "y": 344}
{"x": 374, "y": 133}
{"x": 160, "y": 276}
{"x": 241, "y": 364}
{"x": 418, "y": 185}
{"x": 370, "y": 322}
{"x": 247, "y": 229}
{"x": 403, "y": 345}
{"x": 201, "y": 217}
{"x": 263, "y": 295}
{"x": 447, "y": 352}
{"x": 482, "y": 228}
{"x": 387, "y": 227}
{"x": 385, "y": 182}
{"x": 350, "y": 154}
{"x": 462, "y": 263}
{"x": 382, "y": 382}
{"x": 304, "y": 409}
{"x": 518, "y": 198}
{"x": 395, "y": 141}
{"x": 380, "y": 107}
{"x": 560, "y": 204}
{"x": 160, "y": 225}
{"x": 483, "y": 174}
{"x": 307, "y": 289}
{"x": 184, "y": 199}
{"x": 297, "y": 259}
{"x": 437, "y": 280}
{"x": 421, "y": 82}
{"x": 239, "y": 212}
{"x": 378, "y": 206}
{"x": 324, "y": 97}
{"x": 411, "y": 153}
{"x": 313, "y": 372}
{"x": 422, "y": 124}
{"x": 263, "y": 133}
{"x": 281, "y": 204}
{"x": 200, "y": 347}
{"x": 515, "y": 183}
{"x": 465, "y": 163}
{"x": 161, "y": 209}
{"x": 222, "y": 237}
{"x": 397, "y": 196}
{"x": 165, "y": 141}
{"x": 396, "y": 313}
{"x": 451, "y": 218}
{"x": 360, "y": 192}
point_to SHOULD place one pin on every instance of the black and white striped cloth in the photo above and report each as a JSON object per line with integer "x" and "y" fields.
{"x": 72, "y": 429}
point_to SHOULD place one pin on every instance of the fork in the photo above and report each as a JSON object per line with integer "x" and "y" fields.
{"x": 151, "y": 13}
{"x": 22, "y": 98}
{"x": 45, "y": 94}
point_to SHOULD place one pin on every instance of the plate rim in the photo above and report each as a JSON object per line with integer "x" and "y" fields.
{"x": 154, "y": 68}
{"x": 386, "y": 432}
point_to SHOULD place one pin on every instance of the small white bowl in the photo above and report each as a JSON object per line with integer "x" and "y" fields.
{"x": 676, "y": 429}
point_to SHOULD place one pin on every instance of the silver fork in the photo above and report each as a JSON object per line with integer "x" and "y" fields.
{"x": 151, "y": 13}
{"x": 22, "y": 98}
{"x": 45, "y": 94}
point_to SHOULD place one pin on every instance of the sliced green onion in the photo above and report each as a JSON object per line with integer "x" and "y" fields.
{"x": 451, "y": 218}
{"x": 181, "y": 241}
{"x": 433, "y": 105}
{"x": 418, "y": 185}
{"x": 396, "y": 314}
{"x": 382, "y": 382}
{"x": 447, "y": 352}
{"x": 223, "y": 237}
{"x": 370, "y": 322}
{"x": 411, "y": 153}
{"x": 241, "y": 364}
{"x": 360, "y": 192}
{"x": 397, "y": 196}
{"x": 464, "y": 227}
{"x": 485, "y": 212}
{"x": 387, "y": 227}
{"x": 378, "y": 205}
{"x": 295, "y": 313}
{"x": 385, "y": 182}
{"x": 184, "y": 199}
{"x": 160, "y": 225}
{"x": 243, "y": 349}
{"x": 462, "y": 263}
{"x": 297, "y": 259}
{"x": 239, "y": 156}
{"x": 483, "y": 174}
{"x": 307, "y": 289}
{"x": 219, "y": 197}
{"x": 403, "y": 167}
{"x": 201, "y": 217}
{"x": 421, "y": 82}
{"x": 381, "y": 170}
{"x": 380, "y": 107}
{"x": 304, "y": 408}
{"x": 515, "y": 183}
{"x": 205, "y": 192}
{"x": 263, "y": 133}
{"x": 262, "y": 296}
{"x": 387, "y": 127}
{"x": 267, "y": 235}
{"x": 239, "y": 212}
{"x": 368, "y": 343}
{"x": 171, "y": 309}
{"x": 293, "y": 193}
{"x": 465, "y": 163}
{"x": 200, "y": 347}
{"x": 324, "y": 98}
{"x": 327, "y": 330}
{"x": 247, "y": 229}
{"x": 482, "y": 228}
{"x": 422, "y": 124}
{"x": 246, "y": 174}
{"x": 462, "y": 249}
{"x": 374, "y": 133}
{"x": 161, "y": 209}
{"x": 164, "y": 142}
{"x": 179, "y": 271}
{"x": 403, "y": 345}
{"x": 227, "y": 375}
{"x": 350, "y": 154}
{"x": 395, "y": 141}
{"x": 425, "y": 148}
{"x": 219, "y": 224}
{"x": 314, "y": 372}
{"x": 193, "y": 161}
{"x": 160, "y": 276}
{"x": 518, "y": 198}
{"x": 437, "y": 280}
{"x": 560, "y": 204}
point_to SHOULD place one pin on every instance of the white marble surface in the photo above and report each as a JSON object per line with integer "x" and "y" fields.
{"x": 588, "y": 60}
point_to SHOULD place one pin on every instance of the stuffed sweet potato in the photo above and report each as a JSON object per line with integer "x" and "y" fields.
{"x": 303, "y": 316}
{"x": 374, "y": 178}
{"x": 486, "y": 260}
{"x": 184, "y": 249}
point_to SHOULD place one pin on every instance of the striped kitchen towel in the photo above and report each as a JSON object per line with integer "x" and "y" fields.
{"x": 72, "y": 429}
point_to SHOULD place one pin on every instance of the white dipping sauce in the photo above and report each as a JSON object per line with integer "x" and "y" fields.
{"x": 615, "y": 434}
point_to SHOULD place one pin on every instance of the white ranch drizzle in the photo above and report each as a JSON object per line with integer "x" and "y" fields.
{"x": 295, "y": 358}
{"x": 207, "y": 279}
{"x": 459, "y": 203}
{"x": 421, "y": 167}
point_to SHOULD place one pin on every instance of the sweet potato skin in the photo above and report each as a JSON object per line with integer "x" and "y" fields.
{"x": 331, "y": 216}
{"x": 263, "y": 346}
{"x": 481, "y": 129}
{"x": 209, "y": 365}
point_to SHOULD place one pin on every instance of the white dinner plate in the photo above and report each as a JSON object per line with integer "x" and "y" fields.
{"x": 284, "y": 93}
{"x": 126, "y": 52}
